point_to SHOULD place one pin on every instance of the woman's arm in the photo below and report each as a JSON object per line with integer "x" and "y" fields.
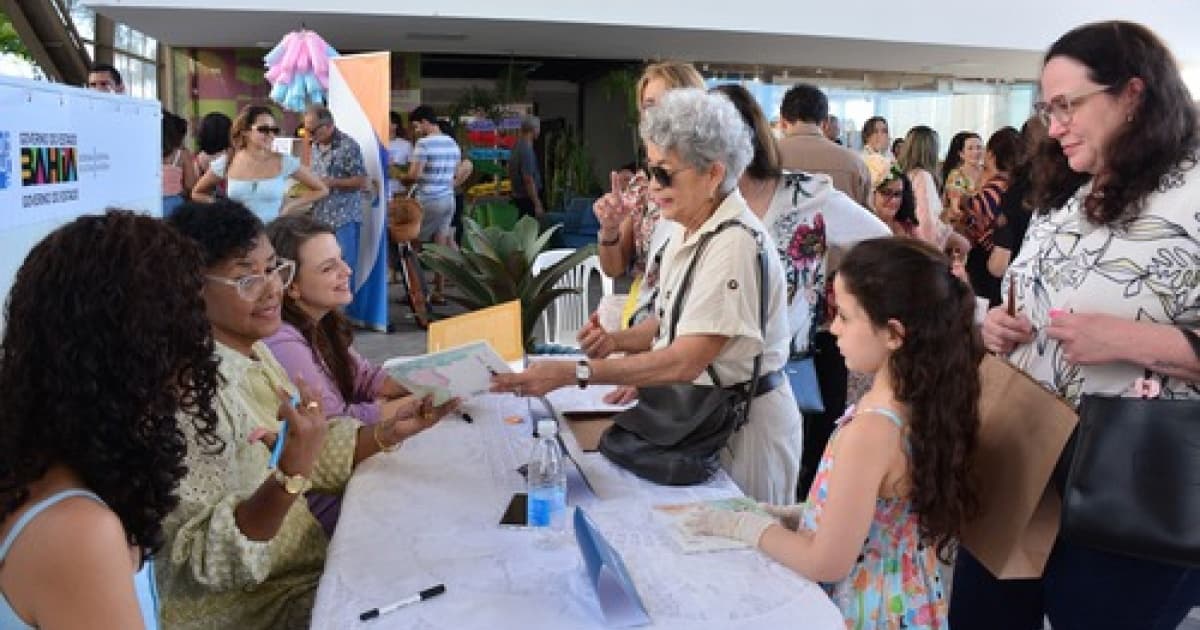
{"x": 998, "y": 260}
{"x": 202, "y": 191}
{"x": 187, "y": 162}
{"x": 317, "y": 191}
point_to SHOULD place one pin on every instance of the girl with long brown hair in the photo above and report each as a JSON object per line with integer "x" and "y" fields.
{"x": 896, "y": 471}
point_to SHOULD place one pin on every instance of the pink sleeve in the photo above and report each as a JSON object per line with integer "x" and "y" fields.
{"x": 929, "y": 224}
{"x": 297, "y": 358}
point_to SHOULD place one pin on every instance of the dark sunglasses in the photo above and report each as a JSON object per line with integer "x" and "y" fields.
{"x": 662, "y": 175}
{"x": 265, "y": 129}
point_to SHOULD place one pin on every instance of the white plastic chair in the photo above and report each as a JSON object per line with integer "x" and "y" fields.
{"x": 569, "y": 312}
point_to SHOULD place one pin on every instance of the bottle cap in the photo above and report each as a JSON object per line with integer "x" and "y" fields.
{"x": 547, "y": 427}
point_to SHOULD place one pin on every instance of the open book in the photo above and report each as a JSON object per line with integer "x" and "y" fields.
{"x": 461, "y": 372}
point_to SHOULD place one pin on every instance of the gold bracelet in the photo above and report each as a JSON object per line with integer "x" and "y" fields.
{"x": 379, "y": 442}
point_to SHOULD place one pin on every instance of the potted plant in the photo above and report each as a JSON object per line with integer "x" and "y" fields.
{"x": 495, "y": 266}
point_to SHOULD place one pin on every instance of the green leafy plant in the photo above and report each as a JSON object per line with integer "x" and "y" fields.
{"x": 569, "y": 166}
{"x": 495, "y": 266}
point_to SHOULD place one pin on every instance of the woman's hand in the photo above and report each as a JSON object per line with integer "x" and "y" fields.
{"x": 413, "y": 416}
{"x": 537, "y": 379}
{"x": 1003, "y": 332}
{"x": 306, "y": 429}
{"x": 1087, "y": 339}
{"x": 595, "y": 342}
{"x": 612, "y": 208}
{"x": 622, "y": 395}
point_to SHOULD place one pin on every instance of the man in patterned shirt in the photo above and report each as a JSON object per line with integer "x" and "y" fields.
{"x": 338, "y": 161}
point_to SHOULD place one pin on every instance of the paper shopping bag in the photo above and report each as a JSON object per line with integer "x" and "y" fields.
{"x": 1023, "y": 430}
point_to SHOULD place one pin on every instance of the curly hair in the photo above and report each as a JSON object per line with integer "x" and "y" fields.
{"x": 1160, "y": 135}
{"x": 330, "y": 337}
{"x": 106, "y": 341}
{"x": 224, "y": 228}
{"x": 703, "y": 129}
{"x": 243, "y": 123}
{"x": 953, "y": 154}
{"x": 909, "y": 281}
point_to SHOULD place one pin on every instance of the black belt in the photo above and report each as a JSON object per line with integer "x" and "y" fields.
{"x": 766, "y": 383}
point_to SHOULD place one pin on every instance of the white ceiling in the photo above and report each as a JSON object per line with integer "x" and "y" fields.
{"x": 229, "y": 28}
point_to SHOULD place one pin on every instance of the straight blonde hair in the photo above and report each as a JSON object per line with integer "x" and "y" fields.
{"x": 676, "y": 74}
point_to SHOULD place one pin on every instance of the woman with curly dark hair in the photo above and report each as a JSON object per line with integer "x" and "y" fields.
{"x": 896, "y": 471}
{"x": 1106, "y": 288}
{"x": 97, "y": 361}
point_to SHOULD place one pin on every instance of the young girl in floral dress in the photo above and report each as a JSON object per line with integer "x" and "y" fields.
{"x": 895, "y": 473}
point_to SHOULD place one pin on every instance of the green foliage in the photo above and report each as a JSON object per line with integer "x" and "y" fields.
{"x": 495, "y": 266}
{"x": 10, "y": 42}
{"x": 622, "y": 84}
{"x": 476, "y": 101}
{"x": 570, "y": 168}
{"x": 511, "y": 84}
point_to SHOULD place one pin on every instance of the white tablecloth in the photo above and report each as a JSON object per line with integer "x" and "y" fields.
{"x": 427, "y": 514}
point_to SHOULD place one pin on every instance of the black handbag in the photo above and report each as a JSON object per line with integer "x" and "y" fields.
{"x": 675, "y": 433}
{"x": 1133, "y": 486}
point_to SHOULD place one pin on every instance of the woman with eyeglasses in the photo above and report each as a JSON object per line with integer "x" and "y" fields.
{"x": 630, "y": 236}
{"x": 254, "y": 174}
{"x": 1107, "y": 283}
{"x": 314, "y": 342}
{"x": 243, "y": 549}
{"x": 697, "y": 148}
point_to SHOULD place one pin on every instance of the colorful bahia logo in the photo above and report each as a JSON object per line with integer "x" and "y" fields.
{"x": 5, "y": 160}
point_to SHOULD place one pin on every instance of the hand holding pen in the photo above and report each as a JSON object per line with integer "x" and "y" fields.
{"x": 1004, "y": 328}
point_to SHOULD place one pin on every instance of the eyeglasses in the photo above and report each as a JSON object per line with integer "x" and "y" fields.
{"x": 662, "y": 175}
{"x": 250, "y": 288}
{"x": 267, "y": 129}
{"x": 1062, "y": 108}
{"x": 889, "y": 194}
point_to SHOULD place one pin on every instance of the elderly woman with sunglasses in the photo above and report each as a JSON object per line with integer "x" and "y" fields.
{"x": 697, "y": 148}
{"x": 1106, "y": 291}
{"x": 254, "y": 174}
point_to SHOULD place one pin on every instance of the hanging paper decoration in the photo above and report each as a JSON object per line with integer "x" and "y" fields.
{"x": 298, "y": 70}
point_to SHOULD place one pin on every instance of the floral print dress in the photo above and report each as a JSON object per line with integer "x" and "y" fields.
{"x": 896, "y": 581}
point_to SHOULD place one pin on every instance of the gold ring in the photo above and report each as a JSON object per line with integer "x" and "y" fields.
{"x": 312, "y": 405}
{"x": 428, "y": 415}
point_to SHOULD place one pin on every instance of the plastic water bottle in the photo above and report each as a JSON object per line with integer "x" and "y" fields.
{"x": 547, "y": 487}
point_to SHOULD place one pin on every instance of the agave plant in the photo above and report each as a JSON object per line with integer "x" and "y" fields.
{"x": 495, "y": 266}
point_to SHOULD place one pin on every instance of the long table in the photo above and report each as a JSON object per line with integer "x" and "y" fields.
{"x": 428, "y": 514}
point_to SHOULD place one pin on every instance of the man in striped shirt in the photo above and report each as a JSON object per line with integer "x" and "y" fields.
{"x": 431, "y": 166}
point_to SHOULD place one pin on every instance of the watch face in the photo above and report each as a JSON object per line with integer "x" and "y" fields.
{"x": 583, "y": 371}
{"x": 295, "y": 484}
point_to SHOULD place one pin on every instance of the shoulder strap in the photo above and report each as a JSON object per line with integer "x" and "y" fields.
{"x": 686, "y": 284}
{"x": 36, "y": 509}
{"x": 1192, "y": 338}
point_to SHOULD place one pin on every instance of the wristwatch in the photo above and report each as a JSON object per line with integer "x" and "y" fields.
{"x": 292, "y": 484}
{"x": 583, "y": 372}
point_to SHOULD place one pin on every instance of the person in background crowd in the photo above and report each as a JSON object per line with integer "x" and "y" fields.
{"x": 338, "y": 161}
{"x": 918, "y": 162}
{"x": 981, "y": 211}
{"x": 523, "y": 170}
{"x": 1015, "y": 209}
{"x": 1098, "y": 303}
{"x": 212, "y": 140}
{"x": 254, "y": 174}
{"x": 103, "y": 77}
{"x": 832, "y": 129}
{"x": 434, "y": 162}
{"x": 241, "y": 551}
{"x": 895, "y": 203}
{"x": 178, "y": 165}
{"x": 897, "y": 146}
{"x": 962, "y": 171}
{"x": 90, "y": 453}
{"x": 875, "y": 151}
{"x": 314, "y": 342}
{"x": 896, "y": 473}
{"x": 399, "y": 151}
{"x": 630, "y": 238}
{"x": 697, "y": 148}
{"x": 805, "y": 148}
{"x": 812, "y": 225}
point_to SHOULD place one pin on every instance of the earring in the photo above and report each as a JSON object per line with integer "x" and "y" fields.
{"x": 1129, "y": 118}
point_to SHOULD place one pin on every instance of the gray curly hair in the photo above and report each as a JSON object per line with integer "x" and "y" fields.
{"x": 703, "y": 128}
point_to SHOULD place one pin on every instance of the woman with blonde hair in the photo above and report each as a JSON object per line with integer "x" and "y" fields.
{"x": 254, "y": 174}
{"x": 919, "y": 161}
{"x": 629, "y": 236}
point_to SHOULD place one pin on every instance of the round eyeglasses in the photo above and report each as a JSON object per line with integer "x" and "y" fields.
{"x": 251, "y": 288}
{"x": 1062, "y": 108}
